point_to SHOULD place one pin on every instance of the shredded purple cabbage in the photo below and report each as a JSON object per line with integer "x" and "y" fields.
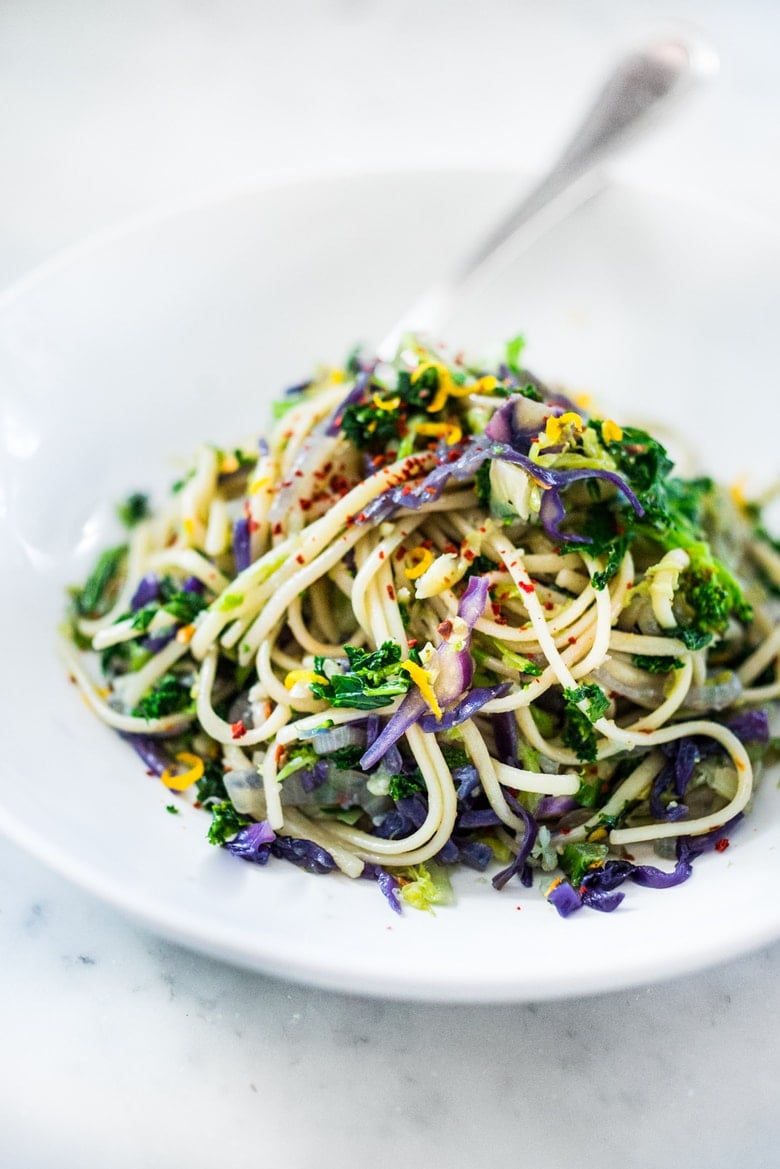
{"x": 148, "y": 590}
{"x": 241, "y": 544}
{"x": 750, "y": 727}
{"x": 519, "y": 865}
{"x": 147, "y": 747}
{"x": 304, "y": 853}
{"x": 253, "y": 842}
{"x": 463, "y": 710}
{"x": 388, "y": 885}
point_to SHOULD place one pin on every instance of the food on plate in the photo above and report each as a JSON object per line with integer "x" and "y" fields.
{"x": 444, "y": 616}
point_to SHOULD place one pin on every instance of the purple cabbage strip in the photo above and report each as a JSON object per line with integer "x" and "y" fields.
{"x": 518, "y": 865}
{"x": 467, "y": 708}
{"x": 147, "y": 747}
{"x": 311, "y": 778}
{"x": 387, "y": 883}
{"x": 505, "y": 731}
{"x": 467, "y": 779}
{"x": 252, "y": 843}
{"x": 193, "y": 585}
{"x": 476, "y": 854}
{"x": 750, "y": 727}
{"x": 471, "y": 455}
{"x": 550, "y": 807}
{"x": 565, "y": 898}
{"x": 477, "y": 818}
{"x": 158, "y": 641}
{"x": 148, "y": 590}
{"x": 241, "y": 544}
{"x": 304, "y": 853}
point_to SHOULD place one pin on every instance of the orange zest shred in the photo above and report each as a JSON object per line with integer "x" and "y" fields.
{"x": 418, "y": 561}
{"x": 422, "y": 679}
{"x": 184, "y": 779}
{"x": 450, "y": 431}
{"x": 307, "y": 676}
{"x": 386, "y": 404}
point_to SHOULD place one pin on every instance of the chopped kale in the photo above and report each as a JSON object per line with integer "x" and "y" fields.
{"x": 373, "y": 679}
{"x": 346, "y": 758}
{"x": 134, "y": 509}
{"x": 225, "y": 822}
{"x": 101, "y": 586}
{"x": 576, "y": 859}
{"x": 578, "y": 733}
{"x": 403, "y": 786}
{"x": 211, "y": 785}
{"x": 482, "y": 483}
{"x": 654, "y": 664}
{"x": 169, "y": 695}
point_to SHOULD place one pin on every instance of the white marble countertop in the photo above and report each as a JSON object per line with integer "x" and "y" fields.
{"x": 120, "y": 1049}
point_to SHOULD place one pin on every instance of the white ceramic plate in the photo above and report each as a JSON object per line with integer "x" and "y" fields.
{"x": 117, "y": 359}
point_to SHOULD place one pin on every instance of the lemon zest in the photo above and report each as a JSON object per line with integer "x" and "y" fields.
{"x": 422, "y": 679}
{"x": 445, "y": 384}
{"x": 611, "y": 432}
{"x": 386, "y": 404}
{"x": 556, "y": 425}
{"x": 450, "y": 431}
{"x": 419, "y": 561}
{"x": 308, "y": 676}
{"x": 255, "y": 486}
{"x": 598, "y": 834}
{"x": 184, "y": 779}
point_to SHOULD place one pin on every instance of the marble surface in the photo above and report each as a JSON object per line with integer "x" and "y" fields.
{"x": 119, "y": 1049}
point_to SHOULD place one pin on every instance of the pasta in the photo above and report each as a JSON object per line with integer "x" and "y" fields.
{"x": 443, "y": 616}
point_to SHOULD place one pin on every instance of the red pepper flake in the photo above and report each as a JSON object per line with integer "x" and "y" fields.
{"x": 299, "y": 559}
{"x": 378, "y": 461}
{"x": 361, "y": 517}
{"x": 468, "y": 555}
{"x": 445, "y": 628}
{"x": 453, "y": 455}
{"x": 412, "y": 642}
{"x": 304, "y": 504}
{"x": 391, "y": 592}
{"x": 453, "y": 548}
{"x": 722, "y": 844}
{"x": 549, "y": 605}
{"x": 571, "y": 641}
{"x": 277, "y": 529}
{"x": 381, "y": 553}
{"x": 501, "y": 620}
{"x": 630, "y": 585}
{"x": 407, "y": 490}
{"x": 337, "y": 420}
{"x": 401, "y": 552}
{"x": 526, "y": 586}
{"x": 237, "y": 729}
{"x": 279, "y": 753}
{"x": 299, "y": 474}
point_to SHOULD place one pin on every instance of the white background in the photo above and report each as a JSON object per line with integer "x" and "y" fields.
{"x": 117, "y": 1049}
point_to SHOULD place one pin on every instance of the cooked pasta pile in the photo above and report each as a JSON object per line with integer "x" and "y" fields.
{"x": 443, "y": 616}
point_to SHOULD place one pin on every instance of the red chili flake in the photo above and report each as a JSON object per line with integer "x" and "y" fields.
{"x": 501, "y": 620}
{"x": 630, "y": 585}
{"x": 453, "y": 548}
{"x": 286, "y": 483}
{"x": 407, "y": 490}
{"x": 378, "y": 461}
{"x": 277, "y": 529}
{"x": 299, "y": 474}
{"x": 431, "y": 490}
{"x": 299, "y": 559}
{"x": 391, "y": 592}
{"x": 495, "y": 606}
{"x": 349, "y": 520}
{"x": 361, "y": 517}
{"x": 468, "y": 555}
{"x": 482, "y": 529}
{"x": 304, "y": 504}
{"x": 571, "y": 641}
{"x": 526, "y": 586}
{"x": 453, "y": 456}
{"x": 549, "y": 605}
{"x": 412, "y": 642}
{"x": 427, "y": 544}
{"x": 238, "y": 730}
{"x": 401, "y": 552}
{"x": 337, "y": 420}
{"x": 445, "y": 628}
{"x": 381, "y": 554}
{"x": 722, "y": 844}
{"x": 279, "y": 753}
{"x": 564, "y": 831}
{"x": 149, "y": 771}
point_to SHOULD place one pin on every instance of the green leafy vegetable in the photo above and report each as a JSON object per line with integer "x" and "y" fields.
{"x": 169, "y": 695}
{"x": 372, "y": 680}
{"x": 98, "y": 593}
{"x": 425, "y": 886}
{"x": 134, "y": 509}
{"x": 403, "y": 786}
{"x": 211, "y": 785}
{"x": 578, "y": 733}
{"x": 225, "y": 822}
{"x": 656, "y": 665}
{"x": 576, "y": 859}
